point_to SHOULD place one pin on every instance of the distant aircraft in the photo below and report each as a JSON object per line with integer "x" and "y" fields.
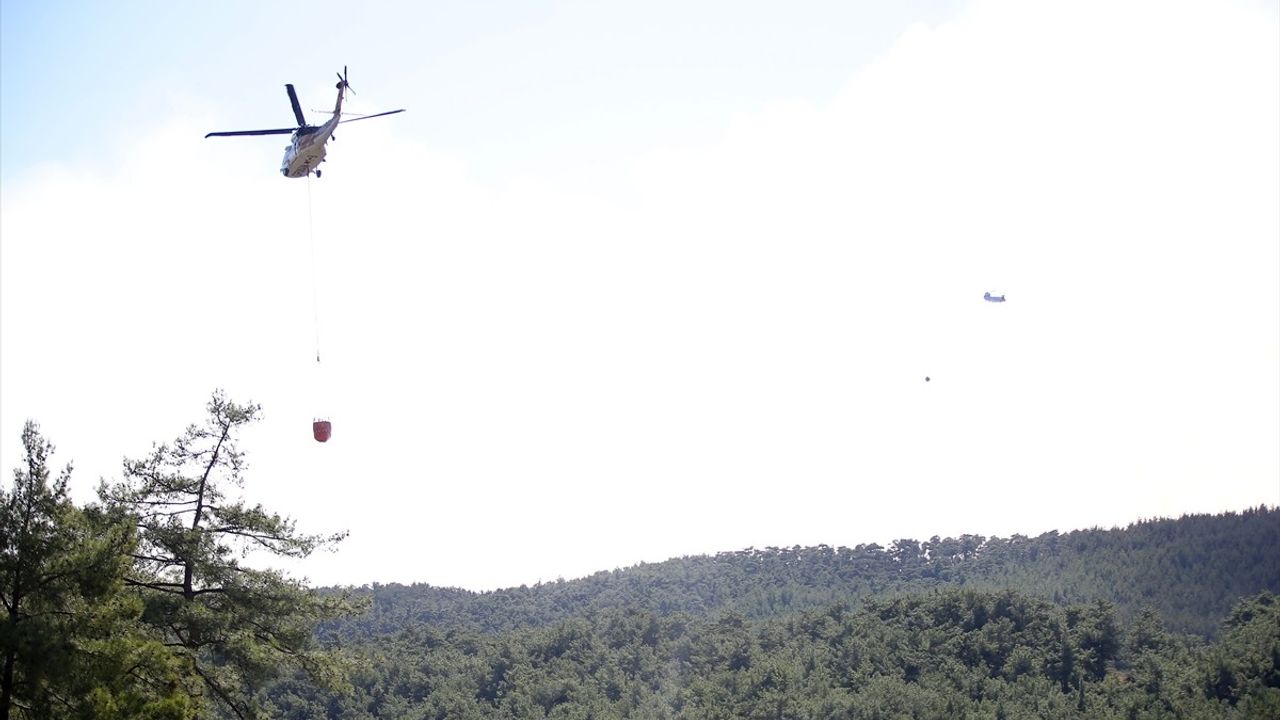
{"x": 993, "y": 298}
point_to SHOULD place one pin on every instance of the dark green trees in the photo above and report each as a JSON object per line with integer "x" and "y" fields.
{"x": 233, "y": 627}
{"x": 1244, "y": 670}
{"x": 71, "y": 643}
{"x": 34, "y": 556}
{"x": 944, "y": 654}
{"x": 141, "y": 608}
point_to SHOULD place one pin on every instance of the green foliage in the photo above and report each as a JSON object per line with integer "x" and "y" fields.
{"x": 957, "y": 627}
{"x": 1189, "y": 571}
{"x": 71, "y": 642}
{"x": 943, "y": 654}
{"x": 143, "y": 608}
{"x": 1245, "y": 668}
{"x": 231, "y": 627}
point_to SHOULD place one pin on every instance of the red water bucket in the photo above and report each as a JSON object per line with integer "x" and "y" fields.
{"x": 322, "y": 429}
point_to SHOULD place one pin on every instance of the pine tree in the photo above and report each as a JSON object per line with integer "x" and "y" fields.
{"x": 234, "y": 627}
{"x": 70, "y": 642}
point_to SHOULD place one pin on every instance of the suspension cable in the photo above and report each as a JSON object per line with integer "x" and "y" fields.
{"x": 315, "y": 295}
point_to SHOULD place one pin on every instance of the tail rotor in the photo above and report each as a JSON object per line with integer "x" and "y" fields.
{"x": 342, "y": 81}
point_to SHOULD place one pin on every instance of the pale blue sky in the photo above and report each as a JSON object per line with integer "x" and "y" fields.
{"x": 631, "y": 281}
{"x": 508, "y": 83}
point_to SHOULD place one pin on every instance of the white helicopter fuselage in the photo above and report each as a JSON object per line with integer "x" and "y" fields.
{"x": 303, "y": 155}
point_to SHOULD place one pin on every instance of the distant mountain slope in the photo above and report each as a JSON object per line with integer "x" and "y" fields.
{"x": 1191, "y": 570}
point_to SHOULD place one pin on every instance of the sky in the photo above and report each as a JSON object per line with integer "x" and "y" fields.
{"x": 631, "y": 281}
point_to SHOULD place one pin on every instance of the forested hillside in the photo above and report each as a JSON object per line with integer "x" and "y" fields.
{"x": 1164, "y": 618}
{"x": 1190, "y": 570}
{"x": 937, "y": 654}
{"x": 140, "y": 607}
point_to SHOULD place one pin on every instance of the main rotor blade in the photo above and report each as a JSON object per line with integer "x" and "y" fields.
{"x": 366, "y": 117}
{"x": 280, "y": 131}
{"x": 297, "y": 109}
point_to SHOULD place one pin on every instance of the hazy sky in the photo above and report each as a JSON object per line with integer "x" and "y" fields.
{"x": 636, "y": 280}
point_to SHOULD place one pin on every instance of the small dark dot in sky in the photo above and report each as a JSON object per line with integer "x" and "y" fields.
{"x": 926, "y": 378}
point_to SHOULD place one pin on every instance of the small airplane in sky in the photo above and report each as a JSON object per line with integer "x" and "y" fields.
{"x": 993, "y": 298}
{"x": 306, "y": 151}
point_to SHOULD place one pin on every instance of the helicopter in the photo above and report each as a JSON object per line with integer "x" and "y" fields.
{"x": 305, "y": 152}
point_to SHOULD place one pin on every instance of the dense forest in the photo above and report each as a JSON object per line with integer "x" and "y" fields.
{"x": 1190, "y": 570}
{"x": 936, "y": 654}
{"x": 140, "y": 606}
{"x": 1164, "y": 618}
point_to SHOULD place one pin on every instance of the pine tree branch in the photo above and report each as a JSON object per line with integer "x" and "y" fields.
{"x": 156, "y": 503}
{"x": 45, "y": 581}
{"x": 242, "y": 531}
{"x": 157, "y": 586}
{"x": 174, "y": 513}
{"x": 157, "y": 559}
{"x": 217, "y": 690}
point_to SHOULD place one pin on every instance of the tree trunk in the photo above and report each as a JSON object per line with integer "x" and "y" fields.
{"x": 10, "y": 659}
